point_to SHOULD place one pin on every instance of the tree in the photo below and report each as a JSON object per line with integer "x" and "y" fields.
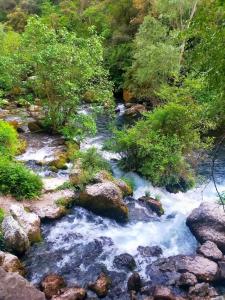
{"x": 64, "y": 68}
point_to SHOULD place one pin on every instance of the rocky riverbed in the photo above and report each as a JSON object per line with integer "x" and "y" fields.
{"x": 85, "y": 253}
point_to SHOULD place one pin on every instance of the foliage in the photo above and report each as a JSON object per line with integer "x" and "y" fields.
{"x": 1, "y": 215}
{"x": 9, "y": 142}
{"x": 157, "y": 145}
{"x": 91, "y": 162}
{"x": 2, "y": 246}
{"x": 18, "y": 181}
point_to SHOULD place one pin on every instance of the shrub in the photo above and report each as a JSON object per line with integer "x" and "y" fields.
{"x": 2, "y": 246}
{"x": 17, "y": 180}
{"x": 1, "y": 215}
{"x": 9, "y": 141}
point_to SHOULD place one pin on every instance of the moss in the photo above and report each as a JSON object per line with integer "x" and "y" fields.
{"x": 64, "y": 202}
{"x": 22, "y": 147}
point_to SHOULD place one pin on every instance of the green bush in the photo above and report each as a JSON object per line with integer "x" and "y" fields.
{"x": 9, "y": 141}
{"x": 2, "y": 247}
{"x": 17, "y": 180}
{"x": 1, "y": 215}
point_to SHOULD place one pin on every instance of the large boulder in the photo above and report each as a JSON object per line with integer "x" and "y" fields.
{"x": 207, "y": 223}
{"x": 124, "y": 261}
{"x": 15, "y": 237}
{"x": 135, "y": 110}
{"x": 105, "y": 199}
{"x": 30, "y": 222}
{"x": 15, "y": 287}
{"x": 11, "y": 263}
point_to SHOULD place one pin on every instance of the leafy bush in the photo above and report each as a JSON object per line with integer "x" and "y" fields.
{"x": 1, "y": 215}
{"x": 9, "y": 141}
{"x": 158, "y": 145}
{"x": 17, "y": 180}
{"x": 91, "y": 162}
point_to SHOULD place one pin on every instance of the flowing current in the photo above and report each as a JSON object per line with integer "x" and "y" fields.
{"x": 81, "y": 243}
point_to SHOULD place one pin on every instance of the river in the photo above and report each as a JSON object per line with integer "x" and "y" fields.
{"x": 81, "y": 244}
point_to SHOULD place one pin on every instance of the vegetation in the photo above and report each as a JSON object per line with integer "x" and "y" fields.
{"x": 9, "y": 142}
{"x": 17, "y": 180}
{"x": 2, "y": 247}
{"x": 167, "y": 55}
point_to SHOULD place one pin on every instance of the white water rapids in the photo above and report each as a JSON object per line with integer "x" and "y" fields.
{"x": 81, "y": 227}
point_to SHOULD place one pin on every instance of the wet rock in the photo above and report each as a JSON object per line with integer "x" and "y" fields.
{"x": 163, "y": 293}
{"x": 153, "y": 204}
{"x": 135, "y": 110}
{"x": 15, "y": 237}
{"x": 48, "y": 206}
{"x": 30, "y": 222}
{"x": 52, "y": 284}
{"x": 15, "y": 287}
{"x": 147, "y": 251}
{"x": 128, "y": 96}
{"x": 101, "y": 285}
{"x": 11, "y": 263}
{"x": 187, "y": 279}
{"x": 124, "y": 261}
{"x": 105, "y": 176}
{"x": 203, "y": 268}
{"x": 210, "y": 250}
{"x": 134, "y": 282}
{"x": 71, "y": 294}
{"x": 202, "y": 291}
{"x": 104, "y": 199}
{"x": 35, "y": 126}
{"x": 207, "y": 223}
{"x": 221, "y": 272}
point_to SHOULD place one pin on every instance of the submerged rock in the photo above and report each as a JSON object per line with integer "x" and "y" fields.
{"x": 134, "y": 282}
{"x": 207, "y": 223}
{"x": 11, "y": 263}
{"x": 147, "y": 251}
{"x": 30, "y": 222}
{"x": 104, "y": 199}
{"x": 15, "y": 287}
{"x": 101, "y": 285}
{"x": 210, "y": 250}
{"x": 153, "y": 204}
{"x": 52, "y": 284}
{"x": 124, "y": 261}
{"x": 15, "y": 237}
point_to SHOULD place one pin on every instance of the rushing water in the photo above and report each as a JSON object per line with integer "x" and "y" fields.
{"x": 81, "y": 243}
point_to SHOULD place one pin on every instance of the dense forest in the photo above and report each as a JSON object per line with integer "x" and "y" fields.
{"x": 70, "y": 67}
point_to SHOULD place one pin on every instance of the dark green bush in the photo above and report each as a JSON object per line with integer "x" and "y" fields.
{"x": 17, "y": 180}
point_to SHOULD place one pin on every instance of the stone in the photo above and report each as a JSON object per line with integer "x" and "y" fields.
{"x": 73, "y": 293}
{"x": 29, "y": 221}
{"x": 124, "y": 261}
{"x": 202, "y": 291}
{"x": 101, "y": 285}
{"x": 105, "y": 199}
{"x": 35, "y": 126}
{"x": 105, "y": 176}
{"x": 15, "y": 287}
{"x": 134, "y": 282}
{"x": 163, "y": 293}
{"x": 207, "y": 223}
{"x": 147, "y": 251}
{"x": 52, "y": 284}
{"x": 153, "y": 204}
{"x": 15, "y": 237}
{"x": 203, "y": 268}
{"x": 210, "y": 250}
{"x": 187, "y": 279}
{"x": 135, "y": 110}
{"x": 11, "y": 263}
{"x": 128, "y": 96}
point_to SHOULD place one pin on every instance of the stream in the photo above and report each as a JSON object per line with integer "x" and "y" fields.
{"x": 82, "y": 244}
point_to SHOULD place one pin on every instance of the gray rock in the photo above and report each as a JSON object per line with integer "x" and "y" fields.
{"x": 210, "y": 250}
{"x": 202, "y": 291}
{"x": 124, "y": 261}
{"x": 187, "y": 279}
{"x": 207, "y": 223}
{"x": 11, "y": 263}
{"x": 15, "y": 237}
{"x": 30, "y": 222}
{"x": 15, "y": 287}
{"x": 105, "y": 199}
